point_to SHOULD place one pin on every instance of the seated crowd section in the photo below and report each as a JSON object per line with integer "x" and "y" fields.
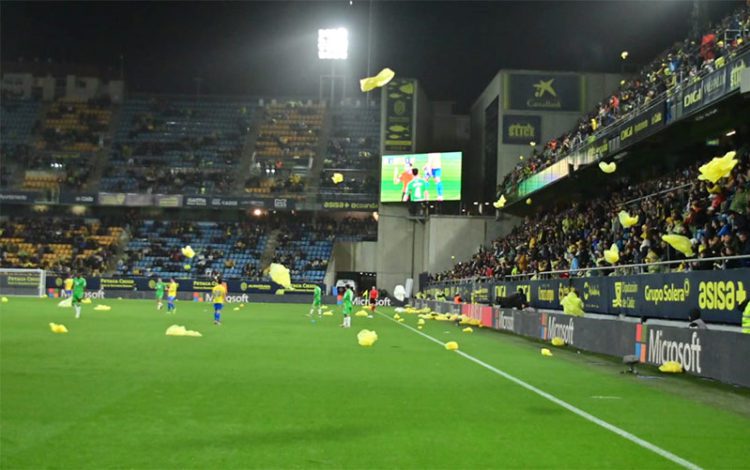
{"x": 686, "y": 61}
{"x": 352, "y": 150}
{"x": 178, "y": 145}
{"x": 59, "y": 245}
{"x": 568, "y": 239}
{"x": 53, "y": 146}
{"x": 229, "y": 248}
{"x": 236, "y": 249}
{"x": 18, "y": 118}
{"x": 286, "y": 148}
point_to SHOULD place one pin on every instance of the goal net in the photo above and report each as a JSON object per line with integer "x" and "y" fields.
{"x": 29, "y": 282}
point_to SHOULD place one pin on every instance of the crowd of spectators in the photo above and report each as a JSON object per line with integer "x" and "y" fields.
{"x": 59, "y": 245}
{"x": 354, "y": 184}
{"x": 75, "y": 126}
{"x": 55, "y": 148}
{"x": 713, "y": 216}
{"x": 163, "y": 179}
{"x": 177, "y": 145}
{"x": 303, "y": 243}
{"x": 686, "y": 60}
{"x": 164, "y": 241}
{"x": 352, "y": 150}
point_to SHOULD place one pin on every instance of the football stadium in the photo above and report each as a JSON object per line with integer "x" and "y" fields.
{"x": 368, "y": 235}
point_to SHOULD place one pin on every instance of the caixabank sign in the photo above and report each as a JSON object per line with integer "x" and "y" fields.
{"x": 544, "y": 91}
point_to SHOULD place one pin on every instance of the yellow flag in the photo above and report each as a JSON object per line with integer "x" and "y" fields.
{"x": 626, "y": 220}
{"x": 379, "y": 80}
{"x": 680, "y": 243}
{"x": 612, "y": 255}
{"x": 608, "y": 167}
{"x": 280, "y": 275}
{"x": 337, "y": 178}
{"x": 500, "y": 203}
{"x": 718, "y": 167}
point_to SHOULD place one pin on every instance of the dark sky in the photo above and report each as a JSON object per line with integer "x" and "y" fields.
{"x": 270, "y": 48}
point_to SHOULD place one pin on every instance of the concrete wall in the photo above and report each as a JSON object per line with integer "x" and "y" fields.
{"x": 450, "y": 239}
{"x": 407, "y": 247}
{"x": 356, "y": 256}
{"x": 396, "y": 245}
{"x": 475, "y": 158}
{"x": 554, "y": 123}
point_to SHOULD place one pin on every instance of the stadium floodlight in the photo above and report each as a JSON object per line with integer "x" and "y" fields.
{"x": 333, "y": 44}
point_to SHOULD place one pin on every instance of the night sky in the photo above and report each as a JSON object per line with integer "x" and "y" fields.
{"x": 270, "y": 48}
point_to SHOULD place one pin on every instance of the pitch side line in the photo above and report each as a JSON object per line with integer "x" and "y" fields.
{"x": 589, "y": 417}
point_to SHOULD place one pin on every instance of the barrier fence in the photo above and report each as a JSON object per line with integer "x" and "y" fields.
{"x": 199, "y": 287}
{"x": 717, "y": 293}
{"x": 715, "y": 354}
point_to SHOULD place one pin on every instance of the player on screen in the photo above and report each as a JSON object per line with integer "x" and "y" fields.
{"x": 219, "y": 293}
{"x": 67, "y": 286}
{"x": 317, "y": 303}
{"x": 160, "y": 286}
{"x": 171, "y": 295}
{"x": 416, "y": 190}
{"x": 404, "y": 178}
{"x": 434, "y": 170}
{"x": 79, "y": 291}
{"x": 348, "y": 304}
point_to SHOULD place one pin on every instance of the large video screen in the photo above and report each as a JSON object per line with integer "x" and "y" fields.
{"x": 421, "y": 177}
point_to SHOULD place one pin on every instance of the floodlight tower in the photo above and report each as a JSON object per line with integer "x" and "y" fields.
{"x": 333, "y": 45}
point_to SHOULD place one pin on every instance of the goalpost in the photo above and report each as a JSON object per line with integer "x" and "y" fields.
{"x": 25, "y": 282}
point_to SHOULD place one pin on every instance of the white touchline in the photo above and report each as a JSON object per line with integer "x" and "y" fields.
{"x": 610, "y": 427}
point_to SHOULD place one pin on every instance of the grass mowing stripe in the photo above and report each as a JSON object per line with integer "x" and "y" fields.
{"x": 589, "y": 417}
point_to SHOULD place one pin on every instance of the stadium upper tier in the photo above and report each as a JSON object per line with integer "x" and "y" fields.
{"x": 164, "y": 144}
{"x": 177, "y": 145}
{"x": 682, "y": 64}
{"x": 353, "y": 151}
{"x": 17, "y": 120}
{"x": 713, "y": 216}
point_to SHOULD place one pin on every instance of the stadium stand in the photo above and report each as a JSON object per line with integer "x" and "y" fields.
{"x": 237, "y": 249}
{"x": 353, "y": 151}
{"x": 58, "y": 245}
{"x": 18, "y": 118}
{"x": 178, "y": 145}
{"x": 286, "y": 147}
{"x": 305, "y": 246}
{"x": 70, "y": 134}
{"x": 713, "y": 216}
{"x": 230, "y": 248}
{"x": 685, "y": 62}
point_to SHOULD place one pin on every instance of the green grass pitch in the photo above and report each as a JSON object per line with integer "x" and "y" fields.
{"x": 451, "y": 177}
{"x": 271, "y": 389}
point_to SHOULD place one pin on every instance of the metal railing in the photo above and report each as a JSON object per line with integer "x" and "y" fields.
{"x": 640, "y": 109}
{"x": 636, "y": 267}
{"x": 647, "y": 196}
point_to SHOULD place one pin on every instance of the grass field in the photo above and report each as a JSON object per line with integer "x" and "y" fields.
{"x": 451, "y": 176}
{"x": 271, "y": 389}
